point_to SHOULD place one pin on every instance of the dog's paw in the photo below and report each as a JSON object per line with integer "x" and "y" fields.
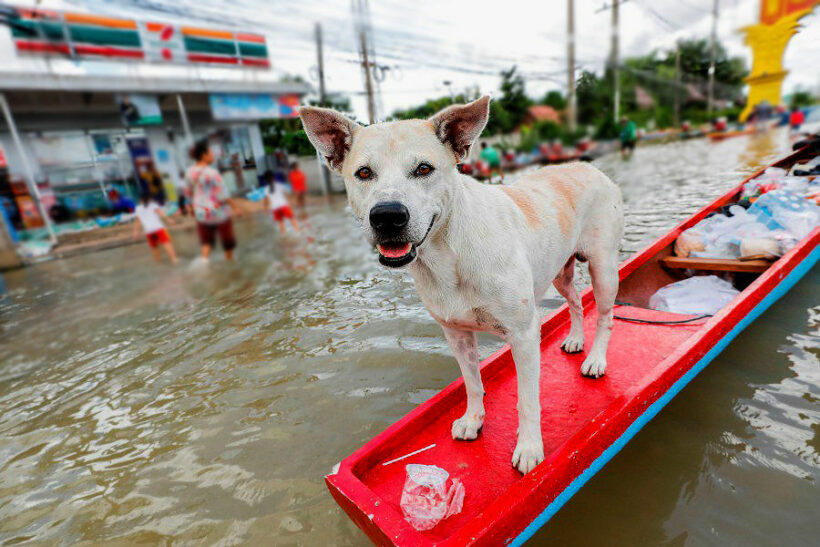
{"x": 467, "y": 427}
{"x": 594, "y": 366}
{"x": 527, "y": 455}
{"x": 573, "y": 344}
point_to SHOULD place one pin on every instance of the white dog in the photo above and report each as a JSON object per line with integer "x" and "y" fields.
{"x": 481, "y": 256}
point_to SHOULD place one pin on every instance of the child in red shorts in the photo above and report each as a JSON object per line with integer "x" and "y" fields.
{"x": 148, "y": 215}
{"x": 277, "y": 202}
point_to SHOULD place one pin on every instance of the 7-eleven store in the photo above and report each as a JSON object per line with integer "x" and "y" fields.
{"x": 88, "y": 103}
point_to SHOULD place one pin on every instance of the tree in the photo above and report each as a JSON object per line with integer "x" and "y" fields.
{"x": 594, "y": 98}
{"x": 555, "y": 99}
{"x": 801, "y": 98}
{"x": 506, "y": 112}
{"x": 288, "y": 134}
{"x": 513, "y": 98}
{"x": 432, "y": 106}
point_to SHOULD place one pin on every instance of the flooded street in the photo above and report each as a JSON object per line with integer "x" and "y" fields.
{"x": 141, "y": 403}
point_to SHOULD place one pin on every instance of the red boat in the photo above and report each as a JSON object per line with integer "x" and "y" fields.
{"x": 723, "y": 135}
{"x": 585, "y": 422}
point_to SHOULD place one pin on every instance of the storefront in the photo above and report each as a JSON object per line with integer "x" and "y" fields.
{"x": 97, "y": 111}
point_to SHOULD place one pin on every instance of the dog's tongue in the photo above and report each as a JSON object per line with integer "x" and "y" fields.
{"x": 394, "y": 250}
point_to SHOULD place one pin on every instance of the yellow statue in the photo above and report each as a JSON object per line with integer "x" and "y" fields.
{"x": 768, "y": 40}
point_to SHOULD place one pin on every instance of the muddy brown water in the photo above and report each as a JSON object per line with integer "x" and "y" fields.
{"x": 150, "y": 404}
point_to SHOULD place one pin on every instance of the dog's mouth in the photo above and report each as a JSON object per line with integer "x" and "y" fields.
{"x": 395, "y": 254}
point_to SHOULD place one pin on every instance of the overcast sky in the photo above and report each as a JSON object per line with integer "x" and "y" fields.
{"x": 466, "y": 42}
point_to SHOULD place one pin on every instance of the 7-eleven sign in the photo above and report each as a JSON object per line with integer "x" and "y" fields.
{"x": 162, "y": 43}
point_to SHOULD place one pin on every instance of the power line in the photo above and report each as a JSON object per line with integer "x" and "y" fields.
{"x": 660, "y": 17}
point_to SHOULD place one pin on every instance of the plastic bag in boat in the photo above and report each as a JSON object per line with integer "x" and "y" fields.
{"x": 720, "y": 236}
{"x": 702, "y": 295}
{"x": 426, "y": 499}
{"x": 787, "y": 210}
{"x": 767, "y": 180}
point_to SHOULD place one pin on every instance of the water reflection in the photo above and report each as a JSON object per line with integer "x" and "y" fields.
{"x": 153, "y": 404}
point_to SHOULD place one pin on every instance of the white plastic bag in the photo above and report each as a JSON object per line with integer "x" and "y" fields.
{"x": 426, "y": 499}
{"x": 720, "y": 235}
{"x": 701, "y": 295}
{"x": 772, "y": 175}
{"x": 787, "y": 210}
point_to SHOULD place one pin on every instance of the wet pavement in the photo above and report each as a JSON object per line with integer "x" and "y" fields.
{"x": 147, "y": 403}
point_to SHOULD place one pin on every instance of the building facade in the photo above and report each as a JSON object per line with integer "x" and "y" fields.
{"x": 97, "y": 110}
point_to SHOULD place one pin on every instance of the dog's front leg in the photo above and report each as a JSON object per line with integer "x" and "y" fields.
{"x": 465, "y": 348}
{"x": 525, "y": 344}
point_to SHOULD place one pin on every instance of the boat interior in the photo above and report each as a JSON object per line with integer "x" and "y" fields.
{"x": 639, "y": 351}
{"x": 665, "y": 267}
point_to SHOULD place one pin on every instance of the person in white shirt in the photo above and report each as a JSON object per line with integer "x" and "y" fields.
{"x": 277, "y": 202}
{"x": 149, "y": 215}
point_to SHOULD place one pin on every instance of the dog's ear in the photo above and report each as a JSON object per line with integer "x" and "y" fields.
{"x": 458, "y": 126}
{"x": 330, "y": 133}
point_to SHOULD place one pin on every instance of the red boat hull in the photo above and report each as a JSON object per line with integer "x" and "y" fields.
{"x": 584, "y": 421}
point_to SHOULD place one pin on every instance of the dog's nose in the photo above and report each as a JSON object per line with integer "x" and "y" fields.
{"x": 389, "y": 218}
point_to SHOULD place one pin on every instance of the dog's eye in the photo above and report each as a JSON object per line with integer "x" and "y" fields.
{"x": 364, "y": 173}
{"x": 423, "y": 170}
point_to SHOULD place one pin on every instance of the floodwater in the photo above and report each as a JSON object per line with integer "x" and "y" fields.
{"x": 150, "y": 404}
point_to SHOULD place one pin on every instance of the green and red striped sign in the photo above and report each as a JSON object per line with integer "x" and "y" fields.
{"x": 80, "y": 35}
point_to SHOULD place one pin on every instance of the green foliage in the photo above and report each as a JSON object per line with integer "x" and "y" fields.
{"x": 506, "y": 112}
{"x": 432, "y": 106}
{"x": 654, "y": 73}
{"x": 801, "y": 98}
{"x": 606, "y": 128}
{"x": 288, "y": 134}
{"x": 513, "y": 97}
{"x": 532, "y": 136}
{"x": 555, "y": 99}
{"x": 594, "y": 98}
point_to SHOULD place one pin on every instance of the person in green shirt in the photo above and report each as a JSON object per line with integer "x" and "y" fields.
{"x": 492, "y": 157}
{"x": 628, "y": 137}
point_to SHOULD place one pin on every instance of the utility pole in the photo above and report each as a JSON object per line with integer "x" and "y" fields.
{"x": 320, "y": 68}
{"x": 361, "y": 18}
{"x": 710, "y": 104}
{"x": 27, "y": 171}
{"x": 571, "y": 107}
{"x": 615, "y": 62}
{"x": 368, "y": 80}
{"x": 676, "y": 122}
{"x": 320, "y": 63}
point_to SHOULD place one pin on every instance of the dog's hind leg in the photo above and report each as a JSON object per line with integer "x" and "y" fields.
{"x": 563, "y": 283}
{"x": 603, "y": 269}
{"x": 465, "y": 348}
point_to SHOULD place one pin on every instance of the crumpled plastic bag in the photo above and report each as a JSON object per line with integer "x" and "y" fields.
{"x": 787, "y": 210}
{"x": 426, "y": 499}
{"x": 764, "y": 247}
{"x": 719, "y": 236}
{"x": 688, "y": 242}
{"x": 701, "y": 295}
{"x": 764, "y": 182}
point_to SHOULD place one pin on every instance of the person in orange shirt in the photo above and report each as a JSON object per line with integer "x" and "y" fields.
{"x": 298, "y": 184}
